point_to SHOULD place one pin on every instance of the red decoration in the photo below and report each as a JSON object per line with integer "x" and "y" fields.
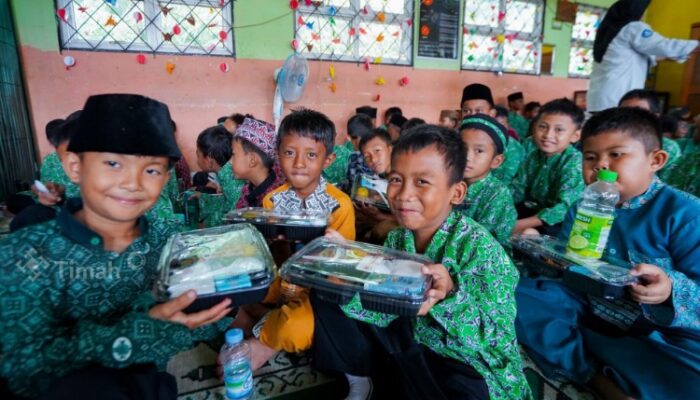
{"x": 307, "y": 2}
{"x": 223, "y": 35}
{"x": 409, "y": 22}
{"x": 177, "y": 30}
{"x": 377, "y": 97}
{"x": 315, "y": 36}
{"x": 294, "y": 4}
{"x": 501, "y": 16}
{"x": 61, "y": 12}
{"x": 427, "y": 3}
{"x": 363, "y": 31}
{"x": 403, "y": 81}
{"x": 141, "y": 59}
{"x": 224, "y": 67}
{"x": 300, "y": 21}
{"x": 364, "y": 10}
{"x": 82, "y": 9}
{"x": 336, "y": 40}
{"x": 351, "y": 32}
{"x": 425, "y": 30}
{"x": 138, "y": 17}
{"x": 366, "y": 64}
{"x": 294, "y": 44}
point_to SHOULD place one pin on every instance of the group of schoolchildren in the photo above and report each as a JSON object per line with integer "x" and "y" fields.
{"x": 457, "y": 192}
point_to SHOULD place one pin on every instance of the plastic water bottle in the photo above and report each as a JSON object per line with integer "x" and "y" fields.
{"x": 235, "y": 358}
{"x": 595, "y": 217}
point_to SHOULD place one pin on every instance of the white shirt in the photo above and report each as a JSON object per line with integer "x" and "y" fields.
{"x": 626, "y": 61}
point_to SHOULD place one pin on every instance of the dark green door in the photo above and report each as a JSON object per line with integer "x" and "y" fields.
{"x": 17, "y": 151}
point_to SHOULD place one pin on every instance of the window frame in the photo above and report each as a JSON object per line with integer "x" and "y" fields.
{"x": 350, "y": 14}
{"x": 536, "y": 37}
{"x": 69, "y": 38}
{"x": 583, "y": 43}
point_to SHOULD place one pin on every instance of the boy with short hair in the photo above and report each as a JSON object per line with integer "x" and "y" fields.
{"x": 516, "y": 120}
{"x": 395, "y": 125}
{"x": 304, "y": 148}
{"x": 78, "y": 316}
{"x": 390, "y": 112}
{"x": 645, "y": 345}
{"x": 462, "y": 343}
{"x": 369, "y": 111}
{"x": 477, "y": 99}
{"x": 531, "y": 110}
{"x": 359, "y": 126}
{"x": 648, "y": 100}
{"x": 488, "y": 200}
{"x": 449, "y": 119}
{"x": 549, "y": 180}
{"x": 254, "y": 159}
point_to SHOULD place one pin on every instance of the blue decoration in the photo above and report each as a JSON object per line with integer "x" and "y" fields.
{"x": 310, "y": 25}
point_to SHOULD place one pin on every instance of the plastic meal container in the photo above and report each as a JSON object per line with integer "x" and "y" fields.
{"x": 386, "y": 280}
{"x": 302, "y": 226}
{"x": 547, "y": 256}
{"x": 371, "y": 191}
{"x": 227, "y": 261}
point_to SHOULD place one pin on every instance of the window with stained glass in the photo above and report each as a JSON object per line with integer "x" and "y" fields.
{"x": 370, "y": 31}
{"x": 583, "y": 34}
{"x": 502, "y": 35}
{"x": 175, "y": 26}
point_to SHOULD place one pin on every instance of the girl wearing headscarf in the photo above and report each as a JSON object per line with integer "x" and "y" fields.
{"x": 623, "y": 50}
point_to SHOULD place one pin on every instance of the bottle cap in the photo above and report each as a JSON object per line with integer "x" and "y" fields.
{"x": 606, "y": 175}
{"x": 234, "y": 336}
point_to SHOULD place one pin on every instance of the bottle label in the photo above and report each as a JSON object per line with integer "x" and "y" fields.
{"x": 589, "y": 234}
{"x": 238, "y": 380}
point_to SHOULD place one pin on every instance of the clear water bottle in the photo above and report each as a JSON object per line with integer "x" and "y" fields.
{"x": 594, "y": 217}
{"x": 235, "y": 358}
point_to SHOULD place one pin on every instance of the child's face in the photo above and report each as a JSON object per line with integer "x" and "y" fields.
{"x": 620, "y": 152}
{"x": 532, "y": 113}
{"x": 355, "y": 140}
{"x": 477, "y": 106}
{"x": 117, "y": 187}
{"x": 419, "y": 191}
{"x": 377, "y": 155}
{"x": 481, "y": 155}
{"x": 302, "y": 160}
{"x": 241, "y": 161}
{"x": 394, "y": 131}
{"x": 448, "y": 122}
{"x": 517, "y": 105}
{"x": 554, "y": 133}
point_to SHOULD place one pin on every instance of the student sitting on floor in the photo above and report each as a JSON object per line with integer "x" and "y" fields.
{"x": 646, "y": 346}
{"x": 488, "y": 200}
{"x": 549, "y": 180}
{"x": 462, "y": 344}
{"x": 78, "y": 320}
{"x": 254, "y": 159}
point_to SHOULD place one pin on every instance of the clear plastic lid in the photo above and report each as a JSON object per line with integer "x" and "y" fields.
{"x": 370, "y": 190}
{"x": 388, "y": 276}
{"x": 214, "y": 261}
{"x": 257, "y": 215}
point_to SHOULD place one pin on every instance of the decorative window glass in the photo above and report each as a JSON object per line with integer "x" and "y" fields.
{"x": 503, "y": 35}
{"x": 370, "y": 31}
{"x": 175, "y": 26}
{"x": 583, "y": 33}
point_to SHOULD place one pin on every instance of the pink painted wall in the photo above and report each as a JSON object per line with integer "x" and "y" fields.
{"x": 198, "y": 92}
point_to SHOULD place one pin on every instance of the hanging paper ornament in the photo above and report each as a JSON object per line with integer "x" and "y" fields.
{"x": 221, "y": 3}
{"x": 473, "y": 45}
{"x": 366, "y": 64}
{"x": 141, "y": 59}
{"x": 336, "y": 40}
{"x": 169, "y": 67}
{"x": 381, "y": 17}
{"x": 294, "y": 44}
{"x": 307, "y": 2}
{"x": 61, "y": 12}
{"x": 409, "y": 22}
{"x": 309, "y": 46}
{"x": 351, "y": 32}
{"x": 317, "y": 4}
{"x": 363, "y": 31}
{"x": 111, "y": 2}
{"x": 501, "y": 16}
{"x": 111, "y": 21}
{"x": 403, "y": 81}
{"x": 331, "y": 72}
{"x": 333, "y": 87}
{"x": 425, "y": 30}
{"x": 223, "y": 35}
{"x": 500, "y": 38}
{"x": 331, "y": 20}
{"x": 138, "y": 17}
{"x": 427, "y": 3}
{"x": 167, "y": 36}
{"x": 165, "y": 10}
{"x": 310, "y": 25}
{"x": 332, "y": 11}
{"x": 223, "y": 67}
{"x": 377, "y": 97}
{"x": 212, "y": 26}
{"x": 294, "y": 4}
{"x": 380, "y": 37}
{"x": 470, "y": 58}
{"x": 315, "y": 36}
{"x": 69, "y": 62}
{"x": 472, "y": 30}
{"x": 380, "y": 81}
{"x": 377, "y": 60}
{"x": 364, "y": 10}
{"x": 82, "y": 9}
{"x": 300, "y": 21}
{"x": 177, "y": 30}
{"x": 190, "y": 20}
{"x": 395, "y": 34}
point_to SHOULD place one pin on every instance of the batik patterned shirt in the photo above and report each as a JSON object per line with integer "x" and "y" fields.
{"x": 68, "y": 303}
{"x": 519, "y": 123}
{"x": 514, "y": 156}
{"x": 475, "y": 324}
{"x": 552, "y": 184}
{"x": 52, "y": 171}
{"x": 688, "y": 145}
{"x": 337, "y": 172}
{"x": 673, "y": 150}
{"x": 685, "y": 174}
{"x": 213, "y": 207}
{"x": 490, "y": 203}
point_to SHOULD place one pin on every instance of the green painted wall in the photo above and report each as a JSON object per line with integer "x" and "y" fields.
{"x": 36, "y": 26}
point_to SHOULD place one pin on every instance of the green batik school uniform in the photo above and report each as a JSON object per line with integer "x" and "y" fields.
{"x": 519, "y": 123}
{"x": 684, "y": 174}
{"x": 338, "y": 170}
{"x": 673, "y": 150}
{"x": 164, "y": 208}
{"x": 514, "y": 156}
{"x": 212, "y": 207}
{"x": 490, "y": 203}
{"x": 52, "y": 171}
{"x": 688, "y": 145}
{"x": 475, "y": 324}
{"x": 69, "y": 303}
{"x": 549, "y": 185}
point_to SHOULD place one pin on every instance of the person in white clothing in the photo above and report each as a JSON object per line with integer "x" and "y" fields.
{"x": 623, "y": 50}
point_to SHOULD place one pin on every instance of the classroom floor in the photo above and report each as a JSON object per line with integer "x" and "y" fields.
{"x": 290, "y": 377}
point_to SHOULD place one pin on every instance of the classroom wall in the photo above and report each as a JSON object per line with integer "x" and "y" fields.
{"x": 672, "y": 18}
{"x": 198, "y": 92}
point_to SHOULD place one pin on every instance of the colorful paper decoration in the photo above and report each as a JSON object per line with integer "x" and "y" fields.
{"x": 377, "y": 97}
{"x": 190, "y": 20}
{"x": 309, "y": 46}
{"x": 169, "y": 67}
{"x": 307, "y": 2}
{"x": 377, "y": 60}
{"x": 351, "y": 32}
{"x": 425, "y": 30}
{"x": 404, "y": 81}
{"x": 381, "y": 17}
{"x": 395, "y": 34}
{"x": 167, "y": 36}
{"x": 336, "y": 40}
{"x": 366, "y": 64}
{"x": 363, "y": 31}
{"x": 61, "y": 12}
{"x": 427, "y": 3}
{"x": 141, "y": 59}
{"x": 332, "y": 11}
{"x": 380, "y": 81}
{"x": 500, "y": 38}
{"x": 111, "y": 21}
{"x": 300, "y": 21}
{"x": 333, "y": 87}
{"x": 82, "y": 9}
{"x": 294, "y": 4}
{"x": 380, "y": 37}
{"x": 223, "y": 35}
{"x": 315, "y": 36}
{"x": 177, "y": 30}
{"x": 331, "y": 72}
{"x": 294, "y": 44}
{"x": 223, "y": 67}
{"x": 165, "y": 10}
{"x": 68, "y": 62}
{"x": 310, "y": 25}
{"x": 111, "y": 2}
{"x": 138, "y": 17}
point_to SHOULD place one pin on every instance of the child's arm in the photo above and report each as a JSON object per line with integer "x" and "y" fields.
{"x": 569, "y": 189}
{"x": 519, "y": 183}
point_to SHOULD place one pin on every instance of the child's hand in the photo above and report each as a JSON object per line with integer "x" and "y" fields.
{"x": 526, "y": 223}
{"x": 654, "y": 287}
{"x": 334, "y": 235}
{"x": 172, "y": 311}
{"x": 195, "y": 195}
{"x": 441, "y": 285}
{"x": 54, "y": 195}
